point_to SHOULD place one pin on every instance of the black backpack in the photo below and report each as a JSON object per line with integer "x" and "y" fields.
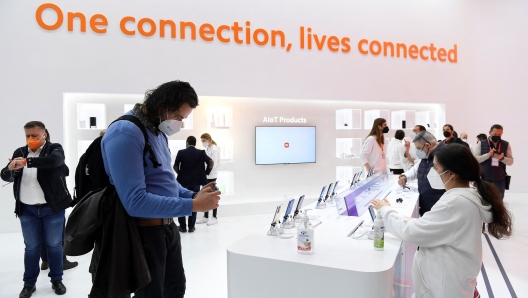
{"x": 90, "y": 174}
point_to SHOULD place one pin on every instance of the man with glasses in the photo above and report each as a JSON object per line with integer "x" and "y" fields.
{"x": 148, "y": 188}
{"x": 426, "y": 145}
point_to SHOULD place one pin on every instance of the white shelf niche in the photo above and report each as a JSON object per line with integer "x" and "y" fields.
{"x": 226, "y": 183}
{"x": 220, "y": 117}
{"x": 344, "y": 174}
{"x": 423, "y": 118}
{"x": 226, "y": 149}
{"x": 87, "y": 110}
{"x": 348, "y": 119}
{"x": 398, "y": 116}
{"x": 372, "y": 115}
{"x": 348, "y": 147}
{"x": 82, "y": 145}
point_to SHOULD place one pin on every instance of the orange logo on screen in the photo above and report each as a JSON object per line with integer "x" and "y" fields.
{"x": 286, "y": 145}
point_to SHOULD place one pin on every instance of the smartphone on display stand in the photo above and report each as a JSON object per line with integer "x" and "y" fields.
{"x": 276, "y": 217}
{"x": 328, "y": 191}
{"x": 288, "y": 210}
{"x": 359, "y": 176}
{"x": 299, "y": 206}
{"x": 321, "y": 195}
{"x": 354, "y": 179}
{"x": 372, "y": 213}
{"x": 334, "y": 190}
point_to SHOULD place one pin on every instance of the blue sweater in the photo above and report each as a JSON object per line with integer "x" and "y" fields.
{"x": 146, "y": 192}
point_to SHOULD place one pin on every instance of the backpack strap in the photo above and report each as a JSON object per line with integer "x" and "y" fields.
{"x": 147, "y": 148}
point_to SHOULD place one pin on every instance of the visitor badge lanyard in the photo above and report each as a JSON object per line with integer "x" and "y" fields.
{"x": 494, "y": 161}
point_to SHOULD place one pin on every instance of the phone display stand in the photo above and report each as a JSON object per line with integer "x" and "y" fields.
{"x": 321, "y": 205}
{"x": 275, "y": 229}
{"x": 288, "y": 223}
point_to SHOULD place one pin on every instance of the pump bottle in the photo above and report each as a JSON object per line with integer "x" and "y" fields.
{"x": 379, "y": 230}
{"x": 305, "y": 236}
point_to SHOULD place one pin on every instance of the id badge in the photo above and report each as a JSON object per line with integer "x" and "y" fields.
{"x": 494, "y": 162}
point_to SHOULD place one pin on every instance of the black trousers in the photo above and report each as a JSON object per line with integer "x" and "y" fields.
{"x": 501, "y": 185}
{"x": 206, "y": 214}
{"x": 192, "y": 218}
{"x": 397, "y": 171}
{"x": 162, "y": 248}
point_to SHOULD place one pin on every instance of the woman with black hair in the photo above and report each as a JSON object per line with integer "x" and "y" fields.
{"x": 449, "y": 236}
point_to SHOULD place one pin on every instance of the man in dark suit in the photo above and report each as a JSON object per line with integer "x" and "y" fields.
{"x": 192, "y": 166}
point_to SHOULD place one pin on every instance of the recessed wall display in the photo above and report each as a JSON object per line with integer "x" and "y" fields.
{"x": 348, "y": 119}
{"x": 267, "y": 146}
{"x": 220, "y": 117}
{"x": 372, "y": 115}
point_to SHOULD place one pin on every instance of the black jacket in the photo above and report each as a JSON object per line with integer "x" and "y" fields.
{"x": 51, "y": 175}
{"x": 99, "y": 221}
{"x": 191, "y": 165}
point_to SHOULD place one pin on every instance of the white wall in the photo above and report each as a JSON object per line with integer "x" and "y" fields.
{"x": 486, "y": 86}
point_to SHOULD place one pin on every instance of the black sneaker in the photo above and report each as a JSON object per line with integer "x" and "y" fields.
{"x": 192, "y": 229}
{"x": 182, "y": 230}
{"x": 44, "y": 265}
{"x": 27, "y": 292}
{"x": 58, "y": 287}
{"x": 68, "y": 265}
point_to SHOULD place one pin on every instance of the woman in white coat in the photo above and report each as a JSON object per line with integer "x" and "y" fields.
{"x": 373, "y": 152}
{"x": 449, "y": 236}
{"x": 212, "y": 150}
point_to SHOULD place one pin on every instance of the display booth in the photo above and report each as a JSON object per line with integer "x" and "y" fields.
{"x": 344, "y": 262}
{"x": 339, "y": 130}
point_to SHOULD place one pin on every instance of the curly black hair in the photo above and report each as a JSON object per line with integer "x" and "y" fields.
{"x": 170, "y": 97}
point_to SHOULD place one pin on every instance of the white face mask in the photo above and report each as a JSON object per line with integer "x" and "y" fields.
{"x": 205, "y": 144}
{"x": 435, "y": 181}
{"x": 169, "y": 126}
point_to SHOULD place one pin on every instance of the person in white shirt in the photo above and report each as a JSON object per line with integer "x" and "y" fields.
{"x": 449, "y": 236}
{"x": 373, "y": 153}
{"x": 213, "y": 151}
{"x": 398, "y": 154}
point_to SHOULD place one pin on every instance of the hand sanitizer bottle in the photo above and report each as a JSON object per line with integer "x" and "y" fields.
{"x": 305, "y": 236}
{"x": 379, "y": 229}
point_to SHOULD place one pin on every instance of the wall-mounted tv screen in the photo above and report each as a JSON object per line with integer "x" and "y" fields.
{"x": 284, "y": 145}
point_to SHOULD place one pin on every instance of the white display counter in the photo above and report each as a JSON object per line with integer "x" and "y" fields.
{"x": 267, "y": 266}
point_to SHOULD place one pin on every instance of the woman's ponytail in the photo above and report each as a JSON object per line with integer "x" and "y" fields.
{"x": 501, "y": 225}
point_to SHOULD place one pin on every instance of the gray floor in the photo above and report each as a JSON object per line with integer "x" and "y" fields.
{"x": 205, "y": 258}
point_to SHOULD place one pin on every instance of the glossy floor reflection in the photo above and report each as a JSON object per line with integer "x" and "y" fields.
{"x": 205, "y": 261}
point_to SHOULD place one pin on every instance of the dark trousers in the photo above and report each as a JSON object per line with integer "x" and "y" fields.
{"x": 40, "y": 226}
{"x": 162, "y": 248}
{"x": 501, "y": 185}
{"x": 192, "y": 218}
{"x": 44, "y": 250}
{"x": 397, "y": 171}
{"x": 206, "y": 214}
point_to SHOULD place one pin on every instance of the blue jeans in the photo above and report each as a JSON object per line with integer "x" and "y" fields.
{"x": 40, "y": 226}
